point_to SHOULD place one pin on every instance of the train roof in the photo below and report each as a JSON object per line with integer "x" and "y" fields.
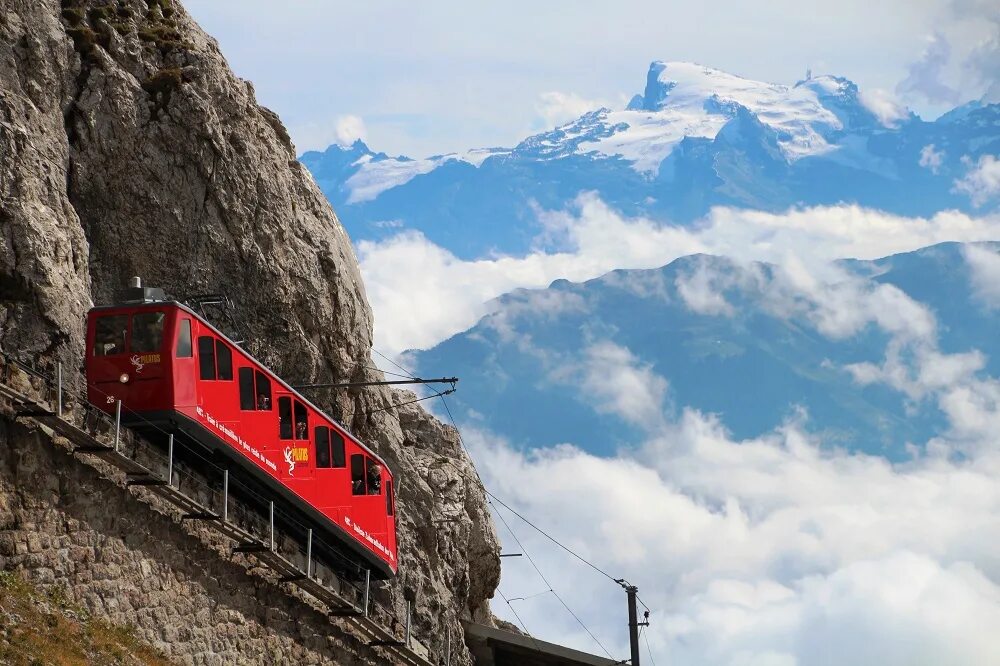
{"x": 289, "y": 387}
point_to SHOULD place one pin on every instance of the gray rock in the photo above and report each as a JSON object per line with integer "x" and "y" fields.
{"x": 128, "y": 147}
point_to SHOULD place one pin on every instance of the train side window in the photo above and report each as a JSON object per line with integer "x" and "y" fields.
{"x": 285, "y": 418}
{"x": 373, "y": 471}
{"x": 184, "y": 340}
{"x": 322, "y": 446}
{"x": 357, "y": 474}
{"x": 301, "y": 421}
{"x": 247, "y": 401}
{"x": 224, "y": 356}
{"x": 263, "y": 392}
{"x": 337, "y": 449}
{"x": 206, "y": 357}
{"x": 110, "y": 334}
{"x": 147, "y": 332}
{"x": 389, "y": 508}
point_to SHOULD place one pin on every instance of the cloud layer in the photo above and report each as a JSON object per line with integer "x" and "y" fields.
{"x": 782, "y": 549}
{"x": 423, "y": 294}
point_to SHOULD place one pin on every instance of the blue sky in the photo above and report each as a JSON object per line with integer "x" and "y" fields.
{"x": 434, "y": 77}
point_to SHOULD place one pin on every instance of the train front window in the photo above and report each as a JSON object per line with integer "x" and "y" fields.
{"x": 147, "y": 332}
{"x": 184, "y": 340}
{"x": 357, "y": 474}
{"x": 301, "y": 421}
{"x": 110, "y": 335}
{"x": 322, "y": 446}
{"x": 285, "y": 418}
{"x": 373, "y": 471}
{"x": 206, "y": 357}
{"x": 389, "y": 509}
{"x": 337, "y": 449}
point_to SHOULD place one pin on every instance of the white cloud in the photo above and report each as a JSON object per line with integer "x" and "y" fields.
{"x": 350, "y": 129}
{"x": 772, "y": 550}
{"x": 616, "y": 382}
{"x": 781, "y": 549}
{"x": 926, "y": 77}
{"x": 318, "y": 135}
{"x": 884, "y": 105}
{"x": 984, "y": 267}
{"x": 421, "y": 293}
{"x": 557, "y": 108}
{"x": 930, "y": 158}
{"x": 703, "y": 289}
{"x": 982, "y": 182}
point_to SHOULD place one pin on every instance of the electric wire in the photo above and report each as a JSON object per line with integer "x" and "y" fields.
{"x": 528, "y": 522}
{"x": 401, "y": 404}
{"x": 404, "y": 370}
{"x": 645, "y": 638}
{"x": 546, "y": 581}
{"x": 488, "y": 493}
{"x": 520, "y": 621}
{"x": 518, "y": 541}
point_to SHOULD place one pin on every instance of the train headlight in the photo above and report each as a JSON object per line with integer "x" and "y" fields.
{"x": 124, "y": 378}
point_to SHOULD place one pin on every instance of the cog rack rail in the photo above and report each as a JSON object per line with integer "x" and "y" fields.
{"x": 86, "y": 442}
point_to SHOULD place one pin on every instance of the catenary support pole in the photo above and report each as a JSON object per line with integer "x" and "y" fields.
{"x": 59, "y": 389}
{"x": 368, "y": 583}
{"x": 118, "y": 423}
{"x": 309, "y": 554}
{"x": 633, "y": 623}
{"x": 170, "y": 460}
{"x": 272, "y": 526}
{"x": 225, "y": 495}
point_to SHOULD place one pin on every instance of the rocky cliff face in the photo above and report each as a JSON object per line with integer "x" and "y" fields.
{"x": 128, "y": 147}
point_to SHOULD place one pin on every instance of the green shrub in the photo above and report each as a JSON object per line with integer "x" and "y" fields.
{"x": 73, "y": 15}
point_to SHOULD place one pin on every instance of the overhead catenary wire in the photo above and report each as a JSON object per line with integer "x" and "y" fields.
{"x": 401, "y": 404}
{"x": 645, "y": 638}
{"x": 551, "y": 589}
{"x": 524, "y": 627}
{"x": 401, "y": 368}
{"x": 493, "y": 497}
{"x": 518, "y": 541}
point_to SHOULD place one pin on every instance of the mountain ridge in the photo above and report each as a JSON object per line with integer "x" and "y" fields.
{"x": 696, "y": 138}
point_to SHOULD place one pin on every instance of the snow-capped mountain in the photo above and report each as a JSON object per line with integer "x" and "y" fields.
{"x": 696, "y": 137}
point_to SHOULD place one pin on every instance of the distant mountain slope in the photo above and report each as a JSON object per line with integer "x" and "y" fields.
{"x": 696, "y": 137}
{"x": 524, "y": 369}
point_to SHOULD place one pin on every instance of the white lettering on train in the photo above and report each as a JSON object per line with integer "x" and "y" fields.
{"x": 250, "y": 451}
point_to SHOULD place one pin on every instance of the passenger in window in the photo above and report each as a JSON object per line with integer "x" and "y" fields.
{"x": 106, "y": 344}
{"x": 358, "y": 487}
{"x": 301, "y": 430}
{"x": 375, "y": 479}
{"x": 263, "y": 402}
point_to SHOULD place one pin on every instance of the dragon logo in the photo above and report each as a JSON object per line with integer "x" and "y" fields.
{"x": 289, "y": 460}
{"x": 137, "y": 362}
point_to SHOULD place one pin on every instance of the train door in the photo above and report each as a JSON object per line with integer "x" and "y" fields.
{"x": 185, "y": 386}
{"x": 294, "y": 442}
{"x": 257, "y": 413}
{"x": 330, "y": 460}
{"x": 368, "y": 506}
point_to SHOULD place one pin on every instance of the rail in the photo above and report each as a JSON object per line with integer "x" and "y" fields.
{"x": 41, "y": 395}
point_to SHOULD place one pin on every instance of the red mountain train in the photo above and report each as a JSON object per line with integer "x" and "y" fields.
{"x": 174, "y": 371}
